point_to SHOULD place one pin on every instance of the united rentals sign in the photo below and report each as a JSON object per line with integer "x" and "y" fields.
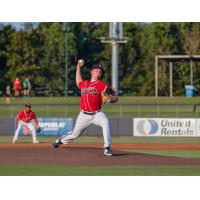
{"x": 183, "y": 127}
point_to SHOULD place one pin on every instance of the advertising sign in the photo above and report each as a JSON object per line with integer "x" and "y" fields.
{"x": 51, "y": 127}
{"x": 178, "y": 127}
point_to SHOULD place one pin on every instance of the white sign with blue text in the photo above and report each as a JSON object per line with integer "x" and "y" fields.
{"x": 51, "y": 127}
{"x": 171, "y": 127}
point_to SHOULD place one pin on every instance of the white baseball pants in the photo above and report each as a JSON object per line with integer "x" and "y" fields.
{"x": 29, "y": 125}
{"x": 84, "y": 121}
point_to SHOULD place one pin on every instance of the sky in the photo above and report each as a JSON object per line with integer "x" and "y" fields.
{"x": 17, "y": 25}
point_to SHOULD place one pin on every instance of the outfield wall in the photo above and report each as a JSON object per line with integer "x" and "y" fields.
{"x": 148, "y": 127}
{"x": 6, "y": 125}
{"x": 58, "y": 126}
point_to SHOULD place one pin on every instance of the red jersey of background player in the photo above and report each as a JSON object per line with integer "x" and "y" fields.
{"x": 91, "y": 100}
{"x": 17, "y": 84}
{"x": 27, "y": 116}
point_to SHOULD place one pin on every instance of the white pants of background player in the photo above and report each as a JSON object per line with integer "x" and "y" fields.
{"x": 30, "y": 126}
{"x": 84, "y": 121}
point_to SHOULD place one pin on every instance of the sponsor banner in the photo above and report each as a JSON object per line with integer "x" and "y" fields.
{"x": 177, "y": 127}
{"x": 51, "y": 127}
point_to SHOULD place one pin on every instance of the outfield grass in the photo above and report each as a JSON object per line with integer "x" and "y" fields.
{"x": 122, "y": 139}
{"x": 44, "y": 109}
{"x": 7, "y": 170}
{"x": 173, "y": 153}
{"x": 114, "y": 110}
{"x": 42, "y": 100}
{"x": 100, "y": 171}
{"x": 122, "y": 99}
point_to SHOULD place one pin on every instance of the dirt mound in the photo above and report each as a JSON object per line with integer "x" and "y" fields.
{"x": 81, "y": 154}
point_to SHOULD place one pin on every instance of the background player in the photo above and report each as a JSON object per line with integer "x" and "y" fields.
{"x": 90, "y": 106}
{"x": 26, "y": 87}
{"x": 17, "y": 87}
{"x": 28, "y": 118}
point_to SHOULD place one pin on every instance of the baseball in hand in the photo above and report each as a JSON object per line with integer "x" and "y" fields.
{"x": 81, "y": 62}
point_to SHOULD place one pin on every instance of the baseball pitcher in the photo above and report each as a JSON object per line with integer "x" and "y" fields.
{"x": 94, "y": 93}
{"x": 27, "y": 118}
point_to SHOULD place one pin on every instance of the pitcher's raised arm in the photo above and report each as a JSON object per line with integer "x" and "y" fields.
{"x": 78, "y": 71}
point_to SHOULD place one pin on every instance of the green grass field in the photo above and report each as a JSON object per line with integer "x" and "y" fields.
{"x": 100, "y": 171}
{"x": 122, "y": 99}
{"x": 118, "y": 139}
{"x": 10, "y": 170}
{"x": 118, "y": 110}
{"x": 45, "y": 107}
{"x": 174, "y": 153}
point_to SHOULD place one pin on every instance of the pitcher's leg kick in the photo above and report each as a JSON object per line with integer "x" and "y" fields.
{"x": 82, "y": 123}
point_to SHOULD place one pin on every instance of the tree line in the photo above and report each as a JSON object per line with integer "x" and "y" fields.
{"x": 37, "y": 50}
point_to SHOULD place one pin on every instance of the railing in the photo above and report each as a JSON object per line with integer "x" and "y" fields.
{"x": 186, "y": 110}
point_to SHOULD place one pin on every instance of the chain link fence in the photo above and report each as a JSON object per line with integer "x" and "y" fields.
{"x": 172, "y": 110}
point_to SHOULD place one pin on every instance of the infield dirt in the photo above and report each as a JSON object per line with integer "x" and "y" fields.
{"x": 91, "y": 154}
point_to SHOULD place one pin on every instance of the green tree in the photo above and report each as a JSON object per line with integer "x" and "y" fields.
{"x": 22, "y": 54}
{"x": 158, "y": 39}
{"x": 38, "y": 50}
{"x": 190, "y": 38}
{"x": 5, "y": 33}
{"x": 51, "y": 74}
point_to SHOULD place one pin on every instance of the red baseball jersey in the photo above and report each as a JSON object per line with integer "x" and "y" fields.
{"x": 91, "y": 100}
{"x": 27, "y": 116}
{"x": 17, "y": 84}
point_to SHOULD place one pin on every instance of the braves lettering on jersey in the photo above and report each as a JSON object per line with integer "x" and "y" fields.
{"x": 91, "y": 100}
{"x": 27, "y": 116}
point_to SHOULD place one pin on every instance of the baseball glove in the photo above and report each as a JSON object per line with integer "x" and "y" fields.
{"x": 108, "y": 96}
{"x": 37, "y": 129}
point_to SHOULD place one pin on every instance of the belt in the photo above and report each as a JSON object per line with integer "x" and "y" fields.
{"x": 90, "y": 113}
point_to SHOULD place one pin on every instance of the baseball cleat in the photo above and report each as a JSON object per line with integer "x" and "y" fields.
{"x": 36, "y": 142}
{"x": 57, "y": 143}
{"x": 107, "y": 151}
{"x": 14, "y": 141}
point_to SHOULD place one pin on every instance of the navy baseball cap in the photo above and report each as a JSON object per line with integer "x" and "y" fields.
{"x": 28, "y": 105}
{"x": 98, "y": 66}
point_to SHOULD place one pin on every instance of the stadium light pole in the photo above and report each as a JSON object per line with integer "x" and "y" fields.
{"x": 115, "y": 59}
{"x": 65, "y": 29}
{"x": 191, "y": 72}
{"x": 115, "y": 37}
